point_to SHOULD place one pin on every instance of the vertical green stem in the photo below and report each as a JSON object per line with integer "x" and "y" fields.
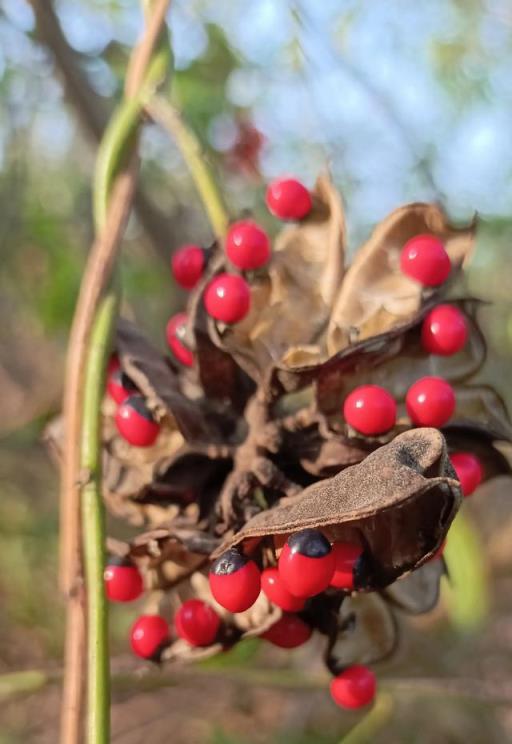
{"x": 98, "y": 677}
{"x": 195, "y": 159}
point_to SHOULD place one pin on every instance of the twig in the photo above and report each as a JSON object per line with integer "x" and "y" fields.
{"x": 188, "y": 144}
{"x": 97, "y": 277}
{"x": 93, "y": 114}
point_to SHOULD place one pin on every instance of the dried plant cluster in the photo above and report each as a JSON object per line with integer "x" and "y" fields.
{"x": 253, "y": 445}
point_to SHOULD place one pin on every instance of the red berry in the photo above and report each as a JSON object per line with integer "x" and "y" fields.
{"x": 135, "y": 422}
{"x": 354, "y": 687}
{"x": 247, "y": 245}
{"x": 272, "y": 585}
{"x": 175, "y": 334}
{"x": 469, "y": 471}
{"x": 123, "y": 582}
{"x": 425, "y": 259}
{"x": 288, "y": 199}
{"x": 148, "y": 635}
{"x": 188, "y": 265}
{"x": 444, "y": 330}
{"x": 430, "y": 402}
{"x": 119, "y": 386}
{"x": 227, "y": 298}
{"x": 307, "y": 563}
{"x": 370, "y": 409}
{"x": 347, "y": 556}
{"x": 289, "y": 632}
{"x": 235, "y": 581}
{"x": 197, "y": 623}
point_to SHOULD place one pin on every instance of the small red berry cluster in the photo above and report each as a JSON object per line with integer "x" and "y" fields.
{"x": 430, "y": 401}
{"x": 308, "y": 566}
{"x": 227, "y": 297}
{"x": 133, "y": 419}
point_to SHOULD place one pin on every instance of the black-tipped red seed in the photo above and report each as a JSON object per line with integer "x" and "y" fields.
{"x": 307, "y": 563}
{"x": 123, "y": 581}
{"x": 235, "y": 581}
{"x": 289, "y": 631}
{"x": 197, "y": 623}
{"x": 119, "y": 386}
{"x": 135, "y": 422}
{"x": 354, "y": 687}
{"x": 148, "y": 636}
{"x": 175, "y": 334}
{"x": 347, "y": 557}
{"x": 273, "y": 586}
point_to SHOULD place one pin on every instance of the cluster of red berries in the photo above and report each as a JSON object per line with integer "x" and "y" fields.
{"x": 307, "y": 566}
{"x": 133, "y": 419}
{"x": 430, "y": 401}
{"x": 227, "y": 298}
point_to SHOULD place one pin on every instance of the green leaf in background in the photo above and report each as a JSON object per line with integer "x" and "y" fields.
{"x": 465, "y": 593}
{"x": 238, "y": 656}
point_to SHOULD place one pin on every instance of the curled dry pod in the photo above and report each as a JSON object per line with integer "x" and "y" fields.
{"x": 418, "y": 592}
{"x": 365, "y": 632}
{"x": 376, "y": 295}
{"x": 399, "y": 501}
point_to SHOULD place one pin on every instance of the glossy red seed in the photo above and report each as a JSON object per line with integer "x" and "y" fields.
{"x": 272, "y": 585}
{"x": 290, "y": 631}
{"x": 444, "y": 330}
{"x": 119, "y": 386}
{"x": 123, "y": 583}
{"x": 354, "y": 688}
{"x": 188, "y": 265}
{"x": 148, "y": 634}
{"x": 346, "y": 556}
{"x": 469, "y": 471}
{"x": 430, "y": 402}
{"x": 174, "y": 332}
{"x": 135, "y": 423}
{"x": 288, "y": 199}
{"x": 425, "y": 259}
{"x": 247, "y": 245}
{"x": 227, "y": 298}
{"x": 235, "y": 581}
{"x": 370, "y": 409}
{"x": 306, "y": 564}
{"x": 197, "y": 623}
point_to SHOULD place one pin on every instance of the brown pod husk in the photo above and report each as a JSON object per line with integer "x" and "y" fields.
{"x": 376, "y": 295}
{"x": 365, "y": 632}
{"x": 398, "y": 504}
{"x": 418, "y": 592}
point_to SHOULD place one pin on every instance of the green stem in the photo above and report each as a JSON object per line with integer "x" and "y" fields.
{"x": 98, "y": 681}
{"x": 163, "y": 112}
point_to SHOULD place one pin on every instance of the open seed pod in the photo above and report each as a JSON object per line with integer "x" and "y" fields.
{"x": 253, "y": 444}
